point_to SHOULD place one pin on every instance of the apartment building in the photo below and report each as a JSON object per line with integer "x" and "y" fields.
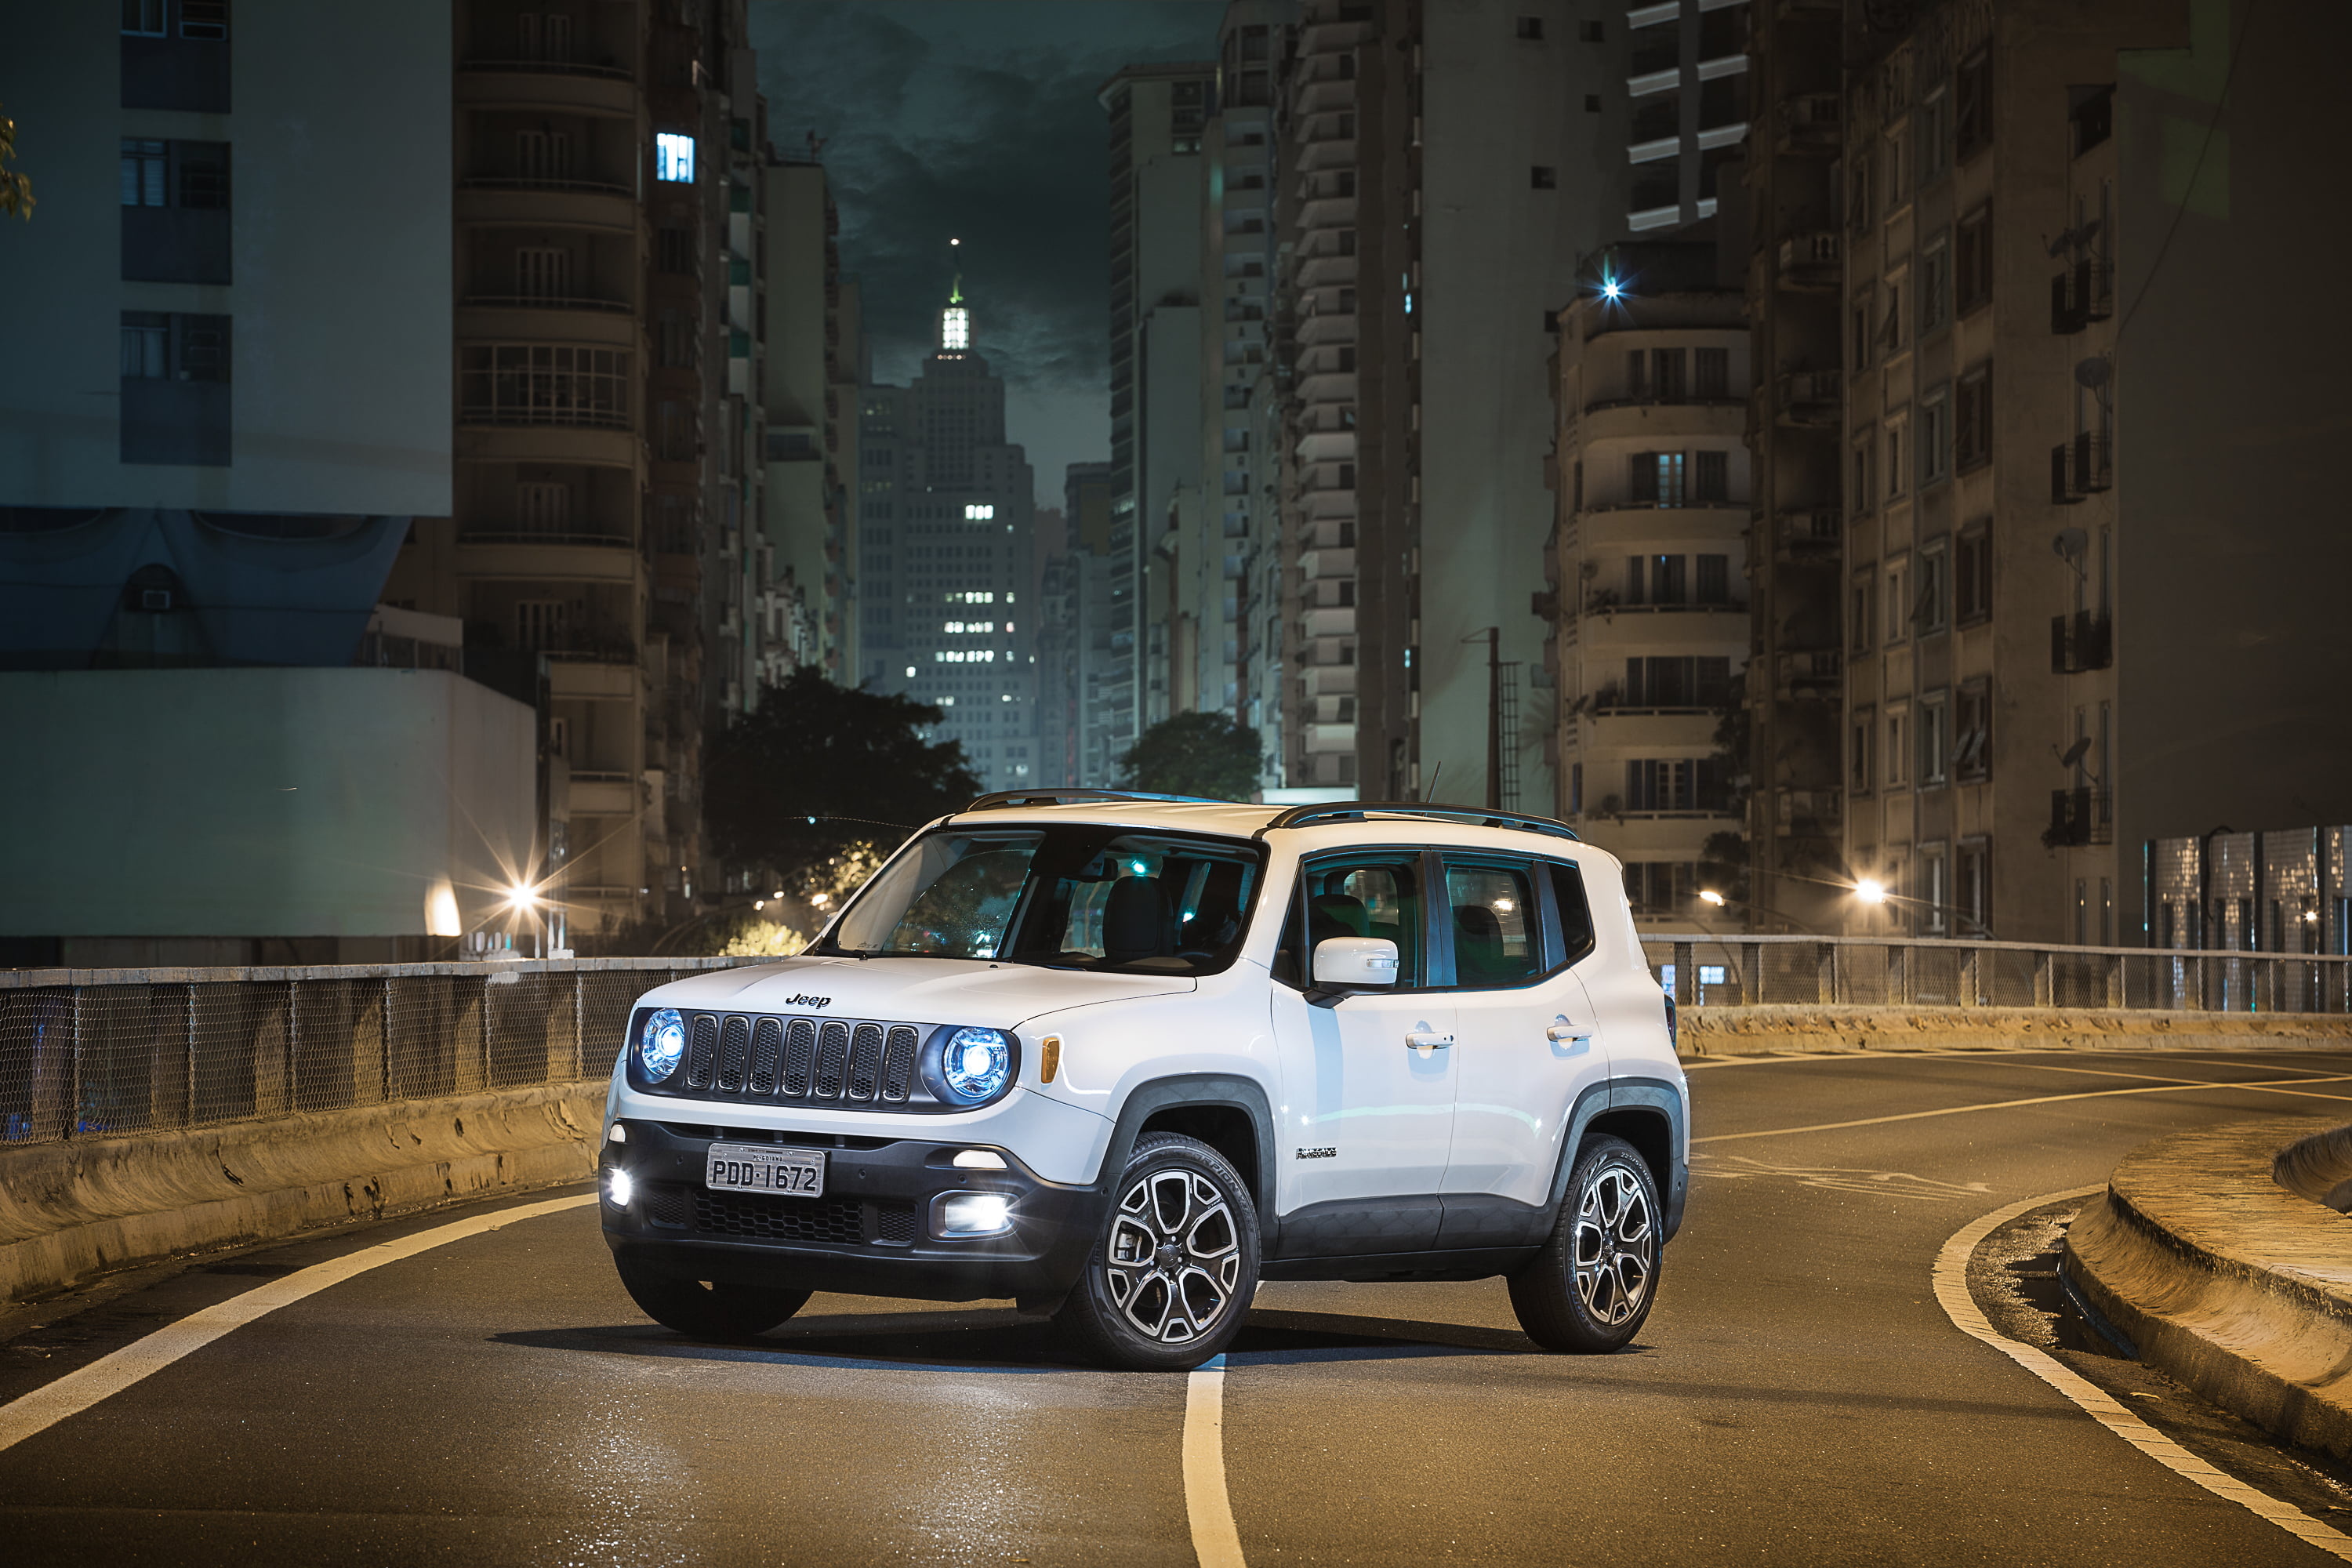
{"x": 1099, "y": 613}
{"x": 1653, "y": 492}
{"x": 1157, "y": 116}
{"x": 802, "y": 586}
{"x": 2078, "y": 521}
{"x": 1780, "y": 232}
{"x": 608, "y": 441}
{"x": 1443, "y": 167}
{"x": 947, "y": 526}
{"x": 1687, "y": 118}
{"x": 209, "y": 460}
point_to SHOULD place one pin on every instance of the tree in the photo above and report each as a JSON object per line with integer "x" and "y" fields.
{"x": 854, "y": 761}
{"x": 15, "y": 189}
{"x": 1210, "y": 755}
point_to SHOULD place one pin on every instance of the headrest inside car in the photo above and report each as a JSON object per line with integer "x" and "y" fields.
{"x": 1135, "y": 920}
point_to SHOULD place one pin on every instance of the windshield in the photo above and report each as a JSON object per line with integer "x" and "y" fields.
{"x": 1072, "y": 897}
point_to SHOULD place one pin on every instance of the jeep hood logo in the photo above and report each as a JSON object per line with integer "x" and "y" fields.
{"x": 806, "y": 1002}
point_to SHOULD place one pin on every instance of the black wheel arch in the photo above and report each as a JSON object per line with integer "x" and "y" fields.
{"x": 1228, "y": 1113}
{"x": 1646, "y": 1112}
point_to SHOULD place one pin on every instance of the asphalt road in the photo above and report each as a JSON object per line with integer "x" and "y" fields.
{"x": 1798, "y": 1396}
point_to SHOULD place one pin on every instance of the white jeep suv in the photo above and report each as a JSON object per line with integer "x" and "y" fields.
{"x": 1121, "y": 1057}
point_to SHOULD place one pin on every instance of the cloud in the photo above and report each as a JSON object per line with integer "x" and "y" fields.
{"x": 977, "y": 120}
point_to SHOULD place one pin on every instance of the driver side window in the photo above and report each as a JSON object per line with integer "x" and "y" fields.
{"x": 1379, "y": 898}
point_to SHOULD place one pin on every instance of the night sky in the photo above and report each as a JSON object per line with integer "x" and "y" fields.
{"x": 976, "y": 119}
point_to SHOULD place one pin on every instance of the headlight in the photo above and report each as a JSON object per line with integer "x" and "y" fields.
{"x": 974, "y": 1214}
{"x": 661, "y": 1044}
{"x": 969, "y": 1065}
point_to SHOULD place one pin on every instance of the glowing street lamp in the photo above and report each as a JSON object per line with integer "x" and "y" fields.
{"x": 520, "y": 897}
{"x": 1870, "y": 890}
{"x": 1709, "y": 896}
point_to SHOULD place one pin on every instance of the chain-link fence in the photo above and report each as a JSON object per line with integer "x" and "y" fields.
{"x": 88, "y": 1053}
{"x": 1881, "y": 971}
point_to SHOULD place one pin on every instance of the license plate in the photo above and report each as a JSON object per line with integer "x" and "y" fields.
{"x": 765, "y": 1168}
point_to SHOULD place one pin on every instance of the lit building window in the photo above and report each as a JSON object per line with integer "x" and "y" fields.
{"x": 674, "y": 157}
{"x": 955, "y": 327}
{"x": 979, "y": 512}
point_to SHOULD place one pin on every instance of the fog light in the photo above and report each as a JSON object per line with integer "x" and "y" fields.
{"x": 975, "y": 1214}
{"x": 979, "y": 1159}
{"x": 619, "y": 1188}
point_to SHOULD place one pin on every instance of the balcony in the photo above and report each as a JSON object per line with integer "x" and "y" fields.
{"x": 2083, "y": 641}
{"x": 570, "y": 86}
{"x": 1812, "y": 260}
{"x": 1814, "y": 674}
{"x": 1810, "y": 399}
{"x": 1808, "y": 813}
{"x": 2081, "y": 468}
{"x": 1811, "y": 538}
{"x": 2084, "y": 293}
{"x": 1813, "y": 125}
{"x": 2079, "y": 816}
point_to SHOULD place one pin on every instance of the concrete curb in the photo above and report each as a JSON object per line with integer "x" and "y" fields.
{"x": 1768, "y": 1028}
{"x": 73, "y": 1211}
{"x": 2227, "y": 1279}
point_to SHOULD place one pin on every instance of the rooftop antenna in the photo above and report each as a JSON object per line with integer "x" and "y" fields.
{"x": 1434, "y": 775}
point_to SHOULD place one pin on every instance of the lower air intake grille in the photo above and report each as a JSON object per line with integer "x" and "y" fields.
{"x": 836, "y": 1222}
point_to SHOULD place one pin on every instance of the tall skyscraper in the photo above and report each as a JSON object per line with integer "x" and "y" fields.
{"x": 947, "y": 515}
{"x": 1158, "y": 115}
{"x": 1419, "y": 260}
{"x": 1099, "y": 667}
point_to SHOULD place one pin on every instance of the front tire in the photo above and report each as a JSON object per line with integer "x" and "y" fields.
{"x": 1170, "y": 1279}
{"x": 708, "y": 1310}
{"x": 1589, "y": 1289}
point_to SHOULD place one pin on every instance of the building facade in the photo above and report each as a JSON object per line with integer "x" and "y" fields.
{"x": 1158, "y": 118}
{"x": 208, "y": 462}
{"x": 947, "y": 523}
{"x": 1444, "y": 167}
{"x": 1654, "y": 493}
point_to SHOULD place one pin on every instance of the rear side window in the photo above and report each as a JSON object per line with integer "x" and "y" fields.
{"x": 1575, "y": 911}
{"x": 1494, "y": 914}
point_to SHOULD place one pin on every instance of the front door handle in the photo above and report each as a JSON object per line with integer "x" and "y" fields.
{"x": 1420, "y": 1042}
{"x": 1566, "y": 1034}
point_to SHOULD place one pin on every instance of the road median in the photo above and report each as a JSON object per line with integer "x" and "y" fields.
{"x": 2216, "y": 1252}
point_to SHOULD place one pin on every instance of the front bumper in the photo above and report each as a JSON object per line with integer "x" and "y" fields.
{"x": 871, "y": 1232}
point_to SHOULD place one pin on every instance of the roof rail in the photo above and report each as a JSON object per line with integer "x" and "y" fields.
{"x": 1363, "y": 810}
{"x": 1005, "y": 799}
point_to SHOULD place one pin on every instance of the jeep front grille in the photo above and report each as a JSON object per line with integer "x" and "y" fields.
{"x": 842, "y": 1062}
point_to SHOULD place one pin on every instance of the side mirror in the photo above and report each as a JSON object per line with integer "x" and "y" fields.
{"x": 1355, "y": 961}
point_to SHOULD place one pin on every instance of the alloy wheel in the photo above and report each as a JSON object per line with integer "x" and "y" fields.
{"x": 1616, "y": 1245}
{"x": 1175, "y": 1256}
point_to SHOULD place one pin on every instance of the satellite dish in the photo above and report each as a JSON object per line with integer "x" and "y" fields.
{"x": 2071, "y": 542}
{"x": 2073, "y": 753}
{"x": 2093, "y": 372}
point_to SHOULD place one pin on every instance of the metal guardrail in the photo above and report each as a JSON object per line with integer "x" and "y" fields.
{"x": 97, "y": 1052}
{"x": 1889, "y": 972}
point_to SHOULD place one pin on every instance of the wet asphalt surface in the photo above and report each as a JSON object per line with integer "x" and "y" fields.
{"x": 1796, "y": 1398}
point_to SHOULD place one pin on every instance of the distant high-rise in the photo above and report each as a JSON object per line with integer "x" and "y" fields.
{"x": 1098, "y": 666}
{"x": 946, "y": 509}
{"x": 1157, "y": 116}
{"x": 1418, "y": 263}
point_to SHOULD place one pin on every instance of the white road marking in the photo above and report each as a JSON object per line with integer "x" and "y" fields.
{"x": 1842, "y": 1178}
{"x": 1952, "y": 1291}
{"x": 1215, "y": 1542}
{"x": 112, "y": 1373}
{"x": 2277, "y": 1086}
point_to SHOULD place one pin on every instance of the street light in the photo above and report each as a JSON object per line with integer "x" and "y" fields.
{"x": 1870, "y": 890}
{"x": 522, "y": 896}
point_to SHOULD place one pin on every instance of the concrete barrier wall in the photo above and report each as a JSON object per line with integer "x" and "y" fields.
{"x": 73, "y": 1211}
{"x": 1766, "y": 1029}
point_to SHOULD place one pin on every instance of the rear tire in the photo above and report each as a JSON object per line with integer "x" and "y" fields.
{"x": 708, "y": 1310}
{"x": 1168, "y": 1280}
{"x": 1589, "y": 1289}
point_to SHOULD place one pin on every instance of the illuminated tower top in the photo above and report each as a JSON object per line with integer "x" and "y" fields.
{"x": 955, "y": 322}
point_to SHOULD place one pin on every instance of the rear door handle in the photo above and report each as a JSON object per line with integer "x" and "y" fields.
{"x": 1568, "y": 1035}
{"x": 1420, "y": 1042}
